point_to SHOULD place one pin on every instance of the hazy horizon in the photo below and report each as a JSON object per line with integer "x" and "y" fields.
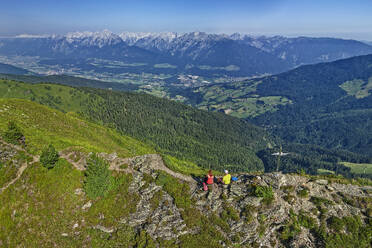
{"x": 338, "y": 19}
{"x": 44, "y": 35}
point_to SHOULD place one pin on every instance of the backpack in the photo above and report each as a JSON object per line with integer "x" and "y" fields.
{"x": 205, "y": 188}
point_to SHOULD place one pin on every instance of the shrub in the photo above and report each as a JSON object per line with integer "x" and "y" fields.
{"x": 303, "y": 193}
{"x": 13, "y": 134}
{"x": 305, "y": 220}
{"x": 318, "y": 201}
{"x": 49, "y": 157}
{"x": 229, "y": 212}
{"x": 266, "y": 192}
{"x": 143, "y": 240}
{"x": 98, "y": 178}
{"x": 287, "y": 188}
{"x": 336, "y": 223}
{"x": 248, "y": 212}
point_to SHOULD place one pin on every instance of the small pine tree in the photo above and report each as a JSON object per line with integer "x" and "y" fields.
{"x": 49, "y": 157}
{"x": 13, "y": 134}
{"x": 98, "y": 178}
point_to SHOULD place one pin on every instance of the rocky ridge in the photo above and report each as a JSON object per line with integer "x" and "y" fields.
{"x": 248, "y": 217}
{"x": 257, "y": 210}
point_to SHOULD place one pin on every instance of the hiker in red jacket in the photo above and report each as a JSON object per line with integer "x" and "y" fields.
{"x": 210, "y": 180}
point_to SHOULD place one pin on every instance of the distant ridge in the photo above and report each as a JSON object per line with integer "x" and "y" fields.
{"x": 10, "y": 69}
{"x": 70, "y": 81}
{"x": 196, "y": 53}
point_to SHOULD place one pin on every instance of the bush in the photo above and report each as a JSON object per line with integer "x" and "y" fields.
{"x": 305, "y": 220}
{"x": 98, "y": 178}
{"x": 49, "y": 157}
{"x": 266, "y": 192}
{"x": 13, "y": 134}
{"x": 229, "y": 212}
{"x": 303, "y": 193}
{"x": 335, "y": 223}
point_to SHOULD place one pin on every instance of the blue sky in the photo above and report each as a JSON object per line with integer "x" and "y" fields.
{"x": 336, "y": 18}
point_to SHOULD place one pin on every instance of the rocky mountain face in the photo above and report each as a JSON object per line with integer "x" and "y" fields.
{"x": 243, "y": 217}
{"x": 172, "y": 210}
{"x": 295, "y": 51}
{"x": 195, "y": 52}
{"x": 78, "y": 45}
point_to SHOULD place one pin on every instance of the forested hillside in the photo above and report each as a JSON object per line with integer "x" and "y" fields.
{"x": 68, "y": 182}
{"x": 328, "y": 104}
{"x": 211, "y": 140}
{"x": 69, "y": 80}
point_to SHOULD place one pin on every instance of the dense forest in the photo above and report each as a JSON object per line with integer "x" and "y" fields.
{"x": 326, "y": 104}
{"x": 312, "y": 159}
{"x": 211, "y": 140}
{"x": 69, "y": 80}
{"x": 208, "y": 139}
{"x": 332, "y": 105}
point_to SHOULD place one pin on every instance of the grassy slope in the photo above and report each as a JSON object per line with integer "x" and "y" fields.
{"x": 57, "y": 96}
{"x": 239, "y": 99}
{"x": 70, "y": 80}
{"x": 359, "y": 168}
{"x": 42, "y": 125}
{"x": 42, "y": 209}
{"x": 68, "y": 99}
{"x": 42, "y": 205}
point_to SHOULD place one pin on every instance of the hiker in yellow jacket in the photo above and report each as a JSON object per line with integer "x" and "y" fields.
{"x": 226, "y": 180}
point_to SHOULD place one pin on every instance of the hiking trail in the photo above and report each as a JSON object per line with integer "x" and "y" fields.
{"x": 23, "y": 167}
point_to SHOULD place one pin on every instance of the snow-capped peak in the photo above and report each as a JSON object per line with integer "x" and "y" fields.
{"x": 132, "y": 37}
{"x": 99, "y": 39}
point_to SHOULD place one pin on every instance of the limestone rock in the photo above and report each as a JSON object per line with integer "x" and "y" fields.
{"x": 86, "y": 205}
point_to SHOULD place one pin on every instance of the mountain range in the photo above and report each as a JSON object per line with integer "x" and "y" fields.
{"x": 196, "y": 53}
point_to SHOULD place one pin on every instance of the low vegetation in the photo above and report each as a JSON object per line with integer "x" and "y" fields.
{"x": 13, "y": 133}
{"x": 49, "y": 157}
{"x": 42, "y": 126}
{"x": 98, "y": 179}
{"x": 266, "y": 192}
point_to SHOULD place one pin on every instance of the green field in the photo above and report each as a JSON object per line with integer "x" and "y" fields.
{"x": 325, "y": 172}
{"x": 240, "y": 100}
{"x": 226, "y": 68}
{"x": 358, "y": 88}
{"x": 359, "y": 168}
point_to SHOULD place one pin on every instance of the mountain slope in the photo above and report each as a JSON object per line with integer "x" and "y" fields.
{"x": 42, "y": 125}
{"x": 327, "y": 104}
{"x": 148, "y": 207}
{"x": 71, "y": 81}
{"x": 9, "y": 69}
{"x": 211, "y": 140}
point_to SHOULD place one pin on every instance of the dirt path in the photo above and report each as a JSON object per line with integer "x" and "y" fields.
{"x": 79, "y": 165}
{"x": 23, "y": 166}
{"x": 20, "y": 172}
{"x": 154, "y": 161}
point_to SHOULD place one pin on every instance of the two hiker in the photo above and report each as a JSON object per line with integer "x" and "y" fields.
{"x": 209, "y": 181}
